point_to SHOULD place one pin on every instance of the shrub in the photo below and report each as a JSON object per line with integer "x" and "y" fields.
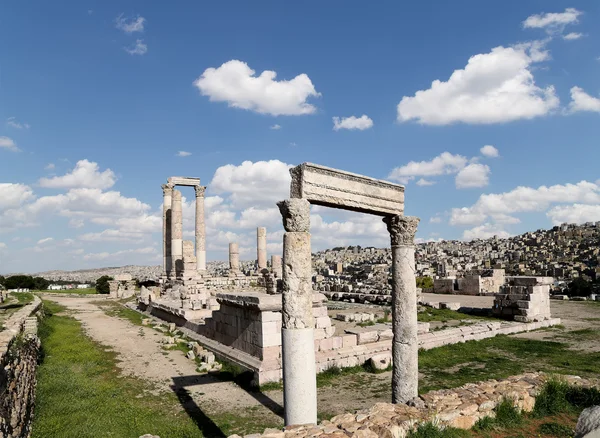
{"x": 430, "y": 430}
{"x": 507, "y": 414}
{"x": 555, "y": 429}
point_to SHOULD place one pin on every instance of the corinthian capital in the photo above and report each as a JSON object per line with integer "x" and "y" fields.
{"x": 200, "y": 191}
{"x": 402, "y": 229}
{"x": 296, "y": 215}
{"x": 167, "y": 189}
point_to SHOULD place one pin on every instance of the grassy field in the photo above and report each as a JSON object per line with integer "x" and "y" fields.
{"x": 80, "y": 393}
{"x": 13, "y": 302}
{"x": 88, "y": 291}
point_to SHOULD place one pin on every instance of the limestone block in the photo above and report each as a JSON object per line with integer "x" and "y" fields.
{"x": 381, "y": 361}
{"x": 449, "y": 305}
{"x": 349, "y": 340}
{"x": 588, "y": 424}
{"x": 367, "y": 337}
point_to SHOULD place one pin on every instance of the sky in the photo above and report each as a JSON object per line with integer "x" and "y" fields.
{"x": 487, "y": 112}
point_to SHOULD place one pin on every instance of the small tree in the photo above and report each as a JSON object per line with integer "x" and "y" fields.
{"x": 424, "y": 282}
{"x": 102, "y": 286}
{"x": 579, "y": 288}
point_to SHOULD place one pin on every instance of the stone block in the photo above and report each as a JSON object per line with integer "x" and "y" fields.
{"x": 349, "y": 341}
{"x": 449, "y": 305}
{"x": 322, "y": 322}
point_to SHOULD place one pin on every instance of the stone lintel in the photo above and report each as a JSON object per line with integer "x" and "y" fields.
{"x": 183, "y": 181}
{"x": 329, "y": 187}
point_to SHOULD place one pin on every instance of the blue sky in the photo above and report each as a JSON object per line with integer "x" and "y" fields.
{"x": 98, "y": 99}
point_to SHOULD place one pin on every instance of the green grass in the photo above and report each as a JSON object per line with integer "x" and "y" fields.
{"x": 445, "y": 315}
{"x": 553, "y": 428}
{"x": 116, "y": 308}
{"x": 80, "y": 393}
{"x": 499, "y": 357}
{"x": 23, "y": 297}
{"x": 557, "y": 396}
{"x": 430, "y": 430}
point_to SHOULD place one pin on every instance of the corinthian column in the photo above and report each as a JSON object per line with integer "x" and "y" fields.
{"x": 298, "y": 347}
{"x": 405, "y": 347}
{"x": 167, "y": 192}
{"x": 176, "y": 234}
{"x": 200, "y": 229}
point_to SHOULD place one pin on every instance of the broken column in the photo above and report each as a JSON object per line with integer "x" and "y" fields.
{"x": 405, "y": 347}
{"x": 234, "y": 259}
{"x": 167, "y": 193}
{"x": 176, "y": 234}
{"x": 276, "y": 265}
{"x": 200, "y": 229}
{"x": 261, "y": 248}
{"x": 298, "y": 351}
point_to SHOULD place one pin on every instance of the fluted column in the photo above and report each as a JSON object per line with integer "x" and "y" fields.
{"x": 297, "y": 333}
{"x": 176, "y": 234}
{"x": 261, "y": 248}
{"x": 167, "y": 193}
{"x": 405, "y": 346}
{"x": 200, "y": 229}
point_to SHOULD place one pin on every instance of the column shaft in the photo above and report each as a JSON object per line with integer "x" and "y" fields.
{"x": 261, "y": 248}
{"x": 298, "y": 351}
{"x": 234, "y": 258}
{"x": 200, "y": 229}
{"x": 167, "y": 194}
{"x": 176, "y": 234}
{"x": 405, "y": 345}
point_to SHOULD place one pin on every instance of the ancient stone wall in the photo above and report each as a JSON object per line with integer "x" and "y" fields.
{"x": 525, "y": 299}
{"x": 19, "y": 348}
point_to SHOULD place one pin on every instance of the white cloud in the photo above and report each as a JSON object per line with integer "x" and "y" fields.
{"x": 119, "y": 254}
{"x": 14, "y": 195}
{"x": 8, "y": 144}
{"x": 553, "y": 22}
{"x": 234, "y": 82}
{"x": 501, "y": 206}
{"x": 84, "y": 175}
{"x": 183, "y": 154}
{"x": 50, "y": 166}
{"x": 473, "y": 175}
{"x": 489, "y": 151}
{"x": 76, "y": 223}
{"x": 435, "y": 220}
{"x": 14, "y": 123}
{"x": 139, "y": 48}
{"x": 130, "y": 25}
{"x": 574, "y": 214}
{"x": 275, "y": 127}
{"x": 2, "y": 245}
{"x": 581, "y": 101}
{"x": 425, "y": 182}
{"x": 45, "y": 240}
{"x": 444, "y": 164}
{"x": 494, "y": 87}
{"x": 352, "y": 123}
{"x": 485, "y": 231}
{"x": 253, "y": 183}
{"x": 572, "y": 36}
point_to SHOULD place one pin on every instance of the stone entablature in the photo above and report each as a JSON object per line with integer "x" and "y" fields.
{"x": 460, "y": 407}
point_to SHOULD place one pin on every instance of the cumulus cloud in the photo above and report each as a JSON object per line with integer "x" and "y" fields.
{"x": 574, "y": 214}
{"x": 130, "y": 25}
{"x": 485, "y": 231}
{"x": 235, "y": 82}
{"x": 86, "y": 174}
{"x": 45, "y": 240}
{"x": 8, "y": 144}
{"x": 14, "y": 123}
{"x": 553, "y": 22}
{"x": 494, "y": 87}
{"x": 138, "y": 48}
{"x": 444, "y": 164}
{"x": 473, "y": 175}
{"x": 275, "y": 127}
{"x": 425, "y": 182}
{"x": 14, "y": 195}
{"x": 151, "y": 251}
{"x": 352, "y": 123}
{"x": 581, "y": 101}
{"x": 489, "y": 151}
{"x": 435, "y": 220}
{"x": 50, "y": 166}
{"x": 500, "y": 206}
{"x": 183, "y": 154}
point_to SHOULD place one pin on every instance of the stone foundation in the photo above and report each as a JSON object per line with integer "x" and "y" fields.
{"x": 19, "y": 348}
{"x": 460, "y": 407}
{"x": 525, "y": 299}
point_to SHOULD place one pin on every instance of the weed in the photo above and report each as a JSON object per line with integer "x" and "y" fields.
{"x": 555, "y": 429}
{"x": 271, "y": 386}
{"x": 366, "y": 323}
{"x": 507, "y": 414}
{"x": 485, "y": 423}
{"x": 430, "y": 430}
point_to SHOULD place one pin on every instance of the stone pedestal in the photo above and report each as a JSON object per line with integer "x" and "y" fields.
{"x": 167, "y": 263}
{"x": 298, "y": 353}
{"x": 176, "y": 234}
{"x": 261, "y": 248}
{"x": 405, "y": 346}
{"x": 200, "y": 230}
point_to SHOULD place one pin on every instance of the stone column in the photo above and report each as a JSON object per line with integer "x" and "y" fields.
{"x": 276, "y": 265}
{"x": 405, "y": 345}
{"x": 261, "y": 248}
{"x": 167, "y": 193}
{"x": 234, "y": 259}
{"x": 298, "y": 345}
{"x": 176, "y": 234}
{"x": 200, "y": 229}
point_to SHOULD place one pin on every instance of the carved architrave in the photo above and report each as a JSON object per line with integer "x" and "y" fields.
{"x": 402, "y": 229}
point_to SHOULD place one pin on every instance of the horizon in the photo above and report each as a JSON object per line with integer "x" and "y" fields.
{"x": 499, "y": 104}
